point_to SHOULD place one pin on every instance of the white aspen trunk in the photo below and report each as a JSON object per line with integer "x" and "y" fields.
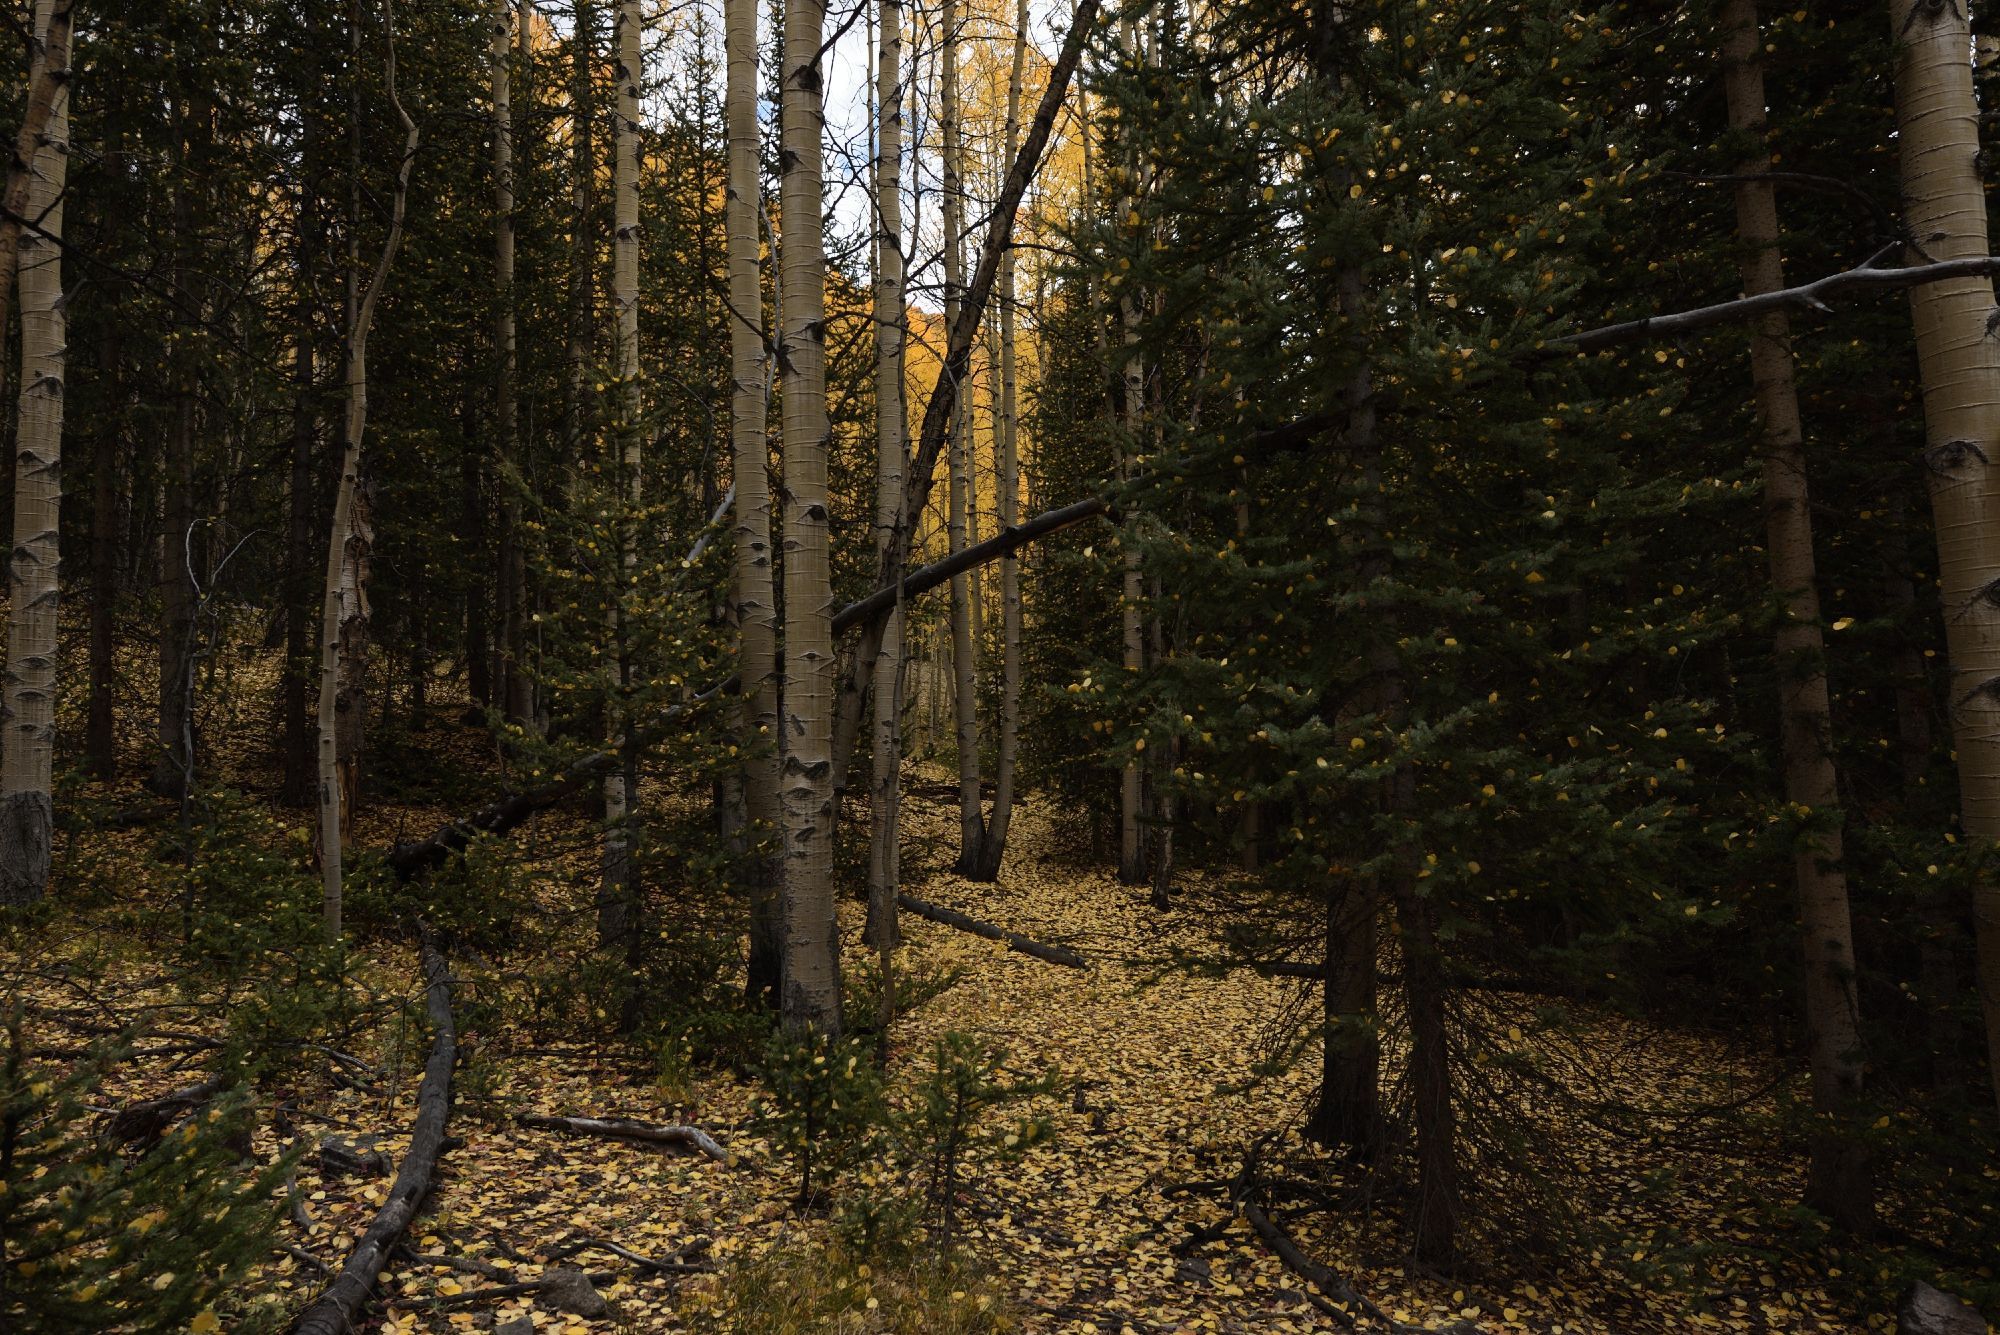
{"x": 810, "y": 996}
{"x": 755, "y": 601}
{"x": 27, "y": 810}
{"x": 1007, "y": 484}
{"x": 616, "y": 909}
{"x": 346, "y": 572}
{"x": 885, "y": 788}
{"x": 1937, "y": 118}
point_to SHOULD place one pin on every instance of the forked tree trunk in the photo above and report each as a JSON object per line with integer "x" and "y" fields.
{"x": 1944, "y": 207}
{"x": 1838, "y": 1179}
{"x": 810, "y": 997}
{"x": 27, "y": 813}
{"x": 891, "y": 449}
{"x": 754, "y": 597}
{"x": 345, "y": 569}
{"x": 617, "y": 908}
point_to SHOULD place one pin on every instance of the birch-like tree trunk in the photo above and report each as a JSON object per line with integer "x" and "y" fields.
{"x": 810, "y": 996}
{"x": 346, "y": 573}
{"x": 27, "y": 811}
{"x": 754, "y": 596}
{"x": 891, "y": 451}
{"x": 617, "y": 907}
{"x": 1007, "y": 482}
{"x": 1944, "y": 207}
{"x": 1838, "y": 1180}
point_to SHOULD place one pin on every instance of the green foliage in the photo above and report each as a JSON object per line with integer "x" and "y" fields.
{"x": 91, "y": 1236}
{"x": 824, "y": 1108}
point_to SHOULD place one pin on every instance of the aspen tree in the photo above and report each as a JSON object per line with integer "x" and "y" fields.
{"x": 1838, "y": 1182}
{"x": 891, "y": 450}
{"x": 345, "y": 576}
{"x": 753, "y": 597}
{"x": 993, "y": 847}
{"x": 617, "y": 906}
{"x": 958, "y": 498}
{"x": 810, "y": 996}
{"x": 1944, "y": 210}
{"x": 27, "y": 812}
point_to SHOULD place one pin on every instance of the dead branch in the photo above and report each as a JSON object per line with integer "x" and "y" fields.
{"x": 336, "y": 1310}
{"x": 644, "y": 1133}
{"x": 1062, "y": 955}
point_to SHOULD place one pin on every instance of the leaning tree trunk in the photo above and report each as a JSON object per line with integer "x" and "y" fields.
{"x": 891, "y": 450}
{"x": 27, "y": 812}
{"x": 754, "y": 597}
{"x": 1838, "y": 1179}
{"x": 344, "y": 576}
{"x": 617, "y": 907}
{"x": 1937, "y": 117}
{"x": 810, "y": 996}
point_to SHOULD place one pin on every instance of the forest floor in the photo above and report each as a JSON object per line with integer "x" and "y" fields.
{"x": 1114, "y": 1222}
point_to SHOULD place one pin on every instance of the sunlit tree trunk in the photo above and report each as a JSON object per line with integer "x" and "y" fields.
{"x": 1838, "y": 1180}
{"x": 1944, "y": 199}
{"x": 810, "y": 997}
{"x": 27, "y": 812}
{"x": 891, "y": 449}
{"x": 754, "y": 596}
{"x": 617, "y": 906}
{"x": 346, "y": 588}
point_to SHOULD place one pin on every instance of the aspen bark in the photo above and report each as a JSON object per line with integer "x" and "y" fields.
{"x": 754, "y": 597}
{"x": 27, "y": 812}
{"x": 1944, "y": 207}
{"x": 48, "y": 94}
{"x": 618, "y": 893}
{"x": 965, "y": 703}
{"x": 1007, "y": 469}
{"x": 891, "y": 450}
{"x": 810, "y": 996}
{"x": 1838, "y": 1179}
{"x": 346, "y": 573}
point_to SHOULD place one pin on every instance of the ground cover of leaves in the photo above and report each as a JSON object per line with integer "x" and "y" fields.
{"x": 1110, "y": 1225}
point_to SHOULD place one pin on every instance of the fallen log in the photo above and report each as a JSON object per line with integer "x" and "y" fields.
{"x": 143, "y": 1123}
{"x": 937, "y": 913}
{"x": 337, "y": 1309}
{"x": 643, "y": 1133}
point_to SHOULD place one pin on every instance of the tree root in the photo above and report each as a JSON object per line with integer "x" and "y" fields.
{"x": 642, "y": 1133}
{"x": 337, "y": 1309}
{"x": 1062, "y": 955}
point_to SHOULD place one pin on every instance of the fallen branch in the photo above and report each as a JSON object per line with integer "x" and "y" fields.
{"x": 1862, "y": 280}
{"x": 677, "y": 1264}
{"x": 337, "y": 1309}
{"x": 644, "y": 1133}
{"x": 1062, "y": 955}
{"x": 144, "y": 1122}
{"x": 567, "y": 1290}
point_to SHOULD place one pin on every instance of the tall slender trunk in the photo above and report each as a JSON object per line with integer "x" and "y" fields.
{"x": 472, "y": 533}
{"x": 1838, "y": 1181}
{"x": 27, "y": 812}
{"x": 1007, "y": 482}
{"x": 101, "y": 727}
{"x": 345, "y": 568}
{"x": 582, "y": 296}
{"x": 754, "y": 598}
{"x": 515, "y": 687}
{"x": 301, "y": 514}
{"x": 810, "y": 997}
{"x": 173, "y": 760}
{"x": 891, "y": 450}
{"x": 1937, "y": 117}
{"x": 617, "y": 915}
